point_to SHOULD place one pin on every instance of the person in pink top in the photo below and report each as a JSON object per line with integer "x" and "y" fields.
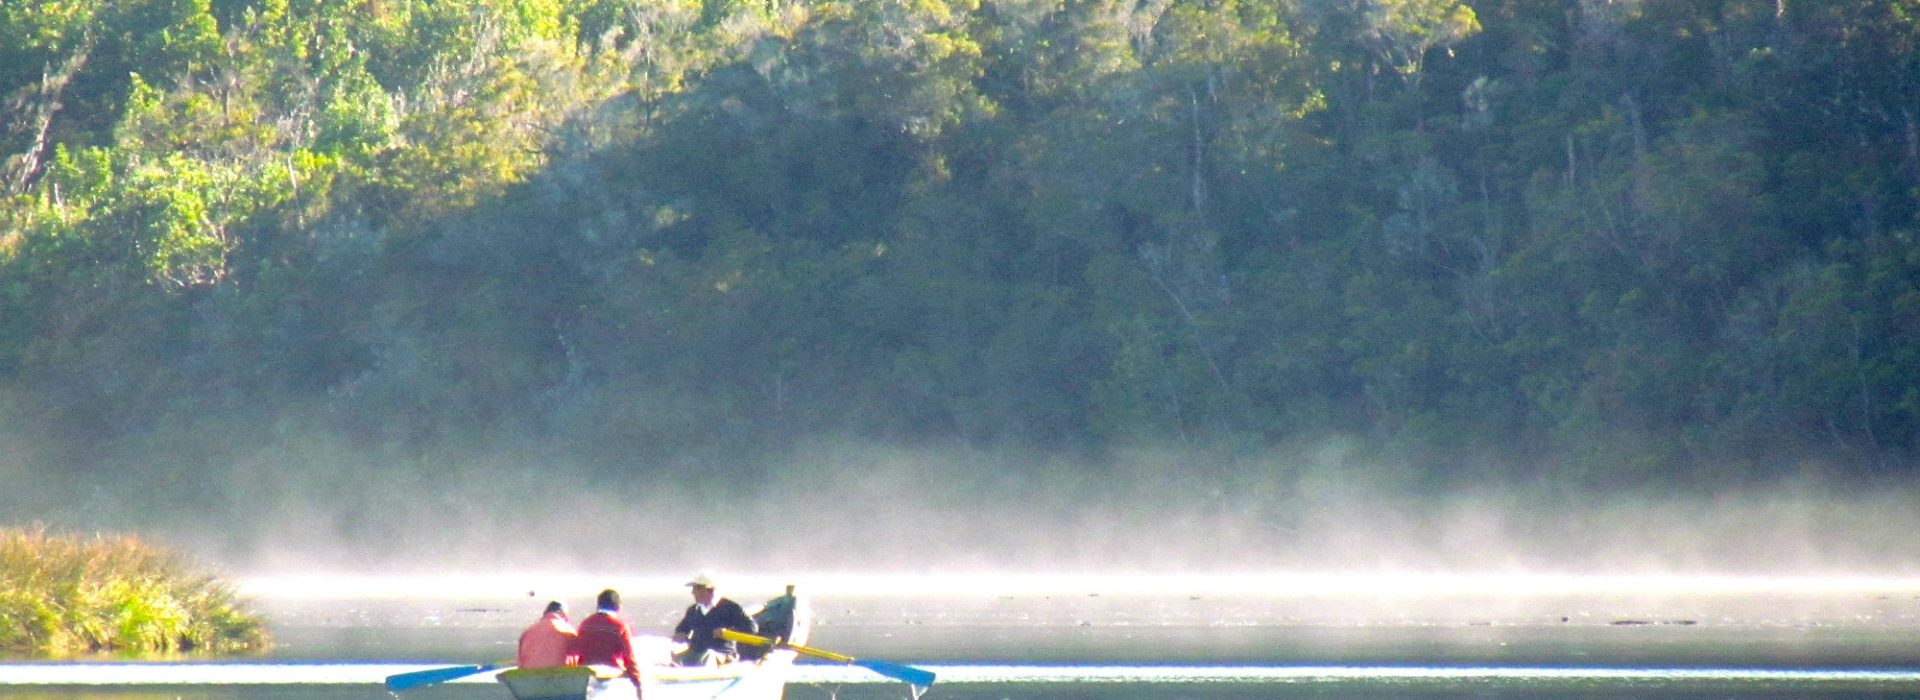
{"x": 549, "y": 642}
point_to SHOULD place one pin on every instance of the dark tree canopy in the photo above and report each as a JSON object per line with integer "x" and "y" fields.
{"x": 1645, "y": 239}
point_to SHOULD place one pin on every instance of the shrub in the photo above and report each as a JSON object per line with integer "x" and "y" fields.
{"x": 62, "y": 594}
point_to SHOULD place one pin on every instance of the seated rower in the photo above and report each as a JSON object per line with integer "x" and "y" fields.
{"x": 607, "y": 640}
{"x": 775, "y": 620}
{"x": 549, "y": 641}
{"x": 700, "y": 627}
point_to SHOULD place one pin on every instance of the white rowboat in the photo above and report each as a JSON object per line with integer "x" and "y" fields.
{"x": 765, "y": 679}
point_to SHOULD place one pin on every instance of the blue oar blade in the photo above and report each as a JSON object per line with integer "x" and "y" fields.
{"x": 916, "y": 677}
{"x": 407, "y": 681}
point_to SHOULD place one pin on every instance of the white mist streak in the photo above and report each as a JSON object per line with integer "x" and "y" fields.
{"x": 1385, "y": 584}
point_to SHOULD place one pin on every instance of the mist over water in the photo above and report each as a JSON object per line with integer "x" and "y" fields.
{"x": 1324, "y": 555}
{"x": 912, "y": 511}
{"x": 299, "y": 502}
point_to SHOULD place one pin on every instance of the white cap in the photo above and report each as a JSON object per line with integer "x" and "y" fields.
{"x": 702, "y": 580}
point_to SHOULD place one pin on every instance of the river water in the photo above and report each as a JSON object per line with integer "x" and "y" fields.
{"x": 1066, "y": 642}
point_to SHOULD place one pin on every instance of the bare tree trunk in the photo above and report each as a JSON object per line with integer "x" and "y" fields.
{"x": 1199, "y": 154}
{"x": 1193, "y": 326}
{"x": 1913, "y": 141}
{"x": 1866, "y": 387}
{"x": 1572, "y": 171}
{"x": 1637, "y": 130}
{"x": 32, "y": 109}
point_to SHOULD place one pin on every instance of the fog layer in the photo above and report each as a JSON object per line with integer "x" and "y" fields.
{"x": 298, "y": 502}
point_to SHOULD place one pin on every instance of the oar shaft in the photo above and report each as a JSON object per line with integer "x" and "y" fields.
{"x": 821, "y": 653}
{"x": 759, "y": 641}
{"x": 916, "y": 677}
{"x": 742, "y": 637}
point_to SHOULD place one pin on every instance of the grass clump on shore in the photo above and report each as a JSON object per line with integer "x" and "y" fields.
{"x": 63, "y": 594}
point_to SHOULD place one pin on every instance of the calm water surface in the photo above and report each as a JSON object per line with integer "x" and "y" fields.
{"x": 1131, "y": 646}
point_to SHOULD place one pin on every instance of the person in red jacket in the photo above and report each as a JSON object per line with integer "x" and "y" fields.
{"x": 549, "y": 641}
{"x": 606, "y": 639}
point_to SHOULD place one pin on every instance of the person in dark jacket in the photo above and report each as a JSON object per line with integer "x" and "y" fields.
{"x": 700, "y": 627}
{"x": 775, "y": 620}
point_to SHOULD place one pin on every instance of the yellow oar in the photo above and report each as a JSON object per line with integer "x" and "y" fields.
{"x": 916, "y": 677}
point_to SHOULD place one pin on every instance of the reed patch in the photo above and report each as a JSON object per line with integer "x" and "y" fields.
{"x": 68, "y": 594}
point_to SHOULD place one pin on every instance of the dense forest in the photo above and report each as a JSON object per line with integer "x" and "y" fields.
{"x": 1613, "y": 243}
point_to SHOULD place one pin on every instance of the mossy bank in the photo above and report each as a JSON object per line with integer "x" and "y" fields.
{"x": 67, "y": 594}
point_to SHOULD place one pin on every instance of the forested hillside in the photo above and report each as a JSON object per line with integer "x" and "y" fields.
{"x": 1625, "y": 241}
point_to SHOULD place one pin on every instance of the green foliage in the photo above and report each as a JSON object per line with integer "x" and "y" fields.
{"x": 68, "y": 594}
{"x": 1681, "y": 232}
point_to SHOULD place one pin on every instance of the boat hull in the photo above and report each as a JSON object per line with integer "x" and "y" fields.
{"x": 765, "y": 679}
